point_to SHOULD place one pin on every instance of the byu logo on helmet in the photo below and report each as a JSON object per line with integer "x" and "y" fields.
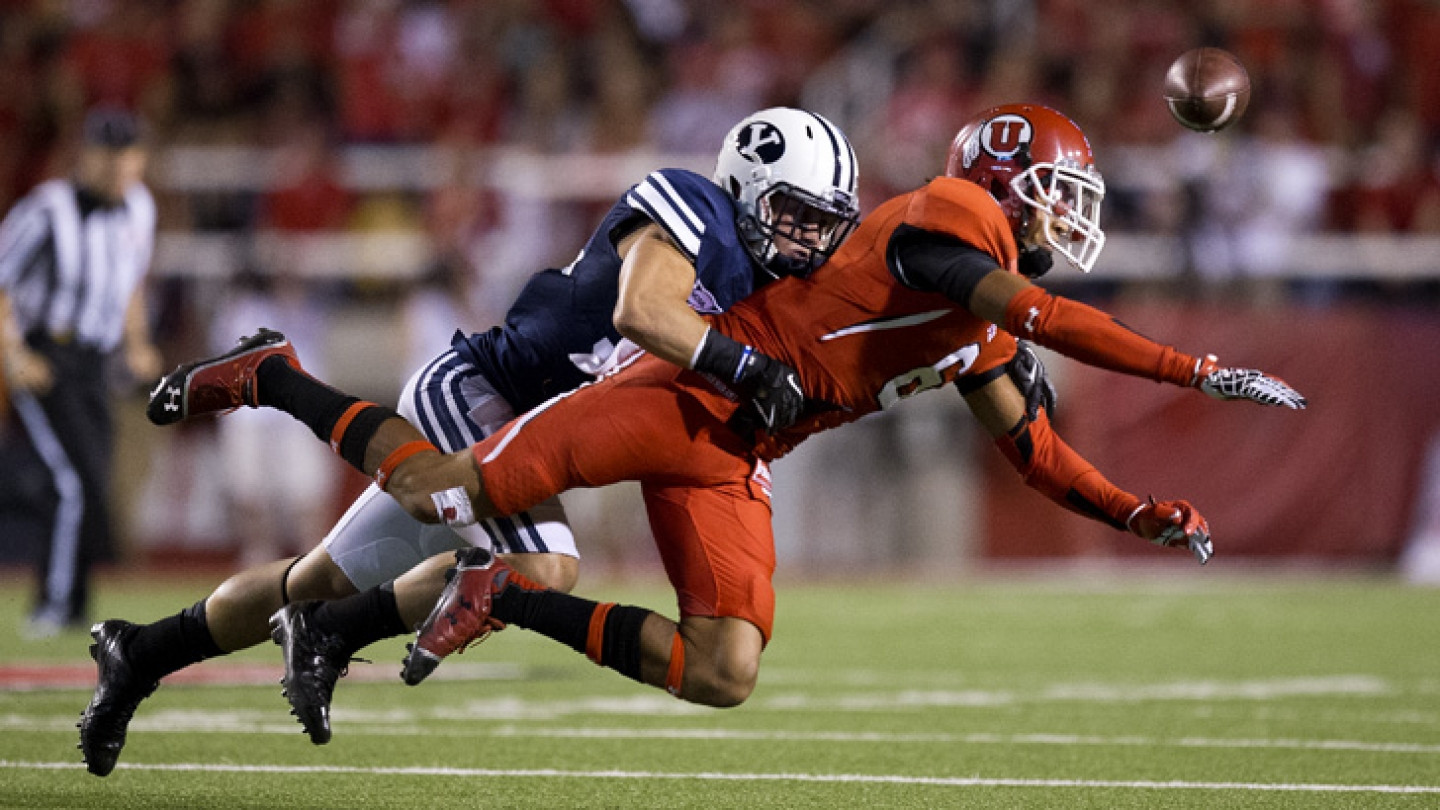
{"x": 1006, "y": 135}
{"x": 761, "y": 142}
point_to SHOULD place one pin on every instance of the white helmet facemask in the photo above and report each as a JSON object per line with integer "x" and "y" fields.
{"x": 1070, "y": 197}
{"x": 793, "y": 176}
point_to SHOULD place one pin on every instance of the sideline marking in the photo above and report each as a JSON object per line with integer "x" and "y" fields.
{"x": 887, "y": 779}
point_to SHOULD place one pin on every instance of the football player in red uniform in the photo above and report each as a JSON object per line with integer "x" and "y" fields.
{"x": 929, "y": 290}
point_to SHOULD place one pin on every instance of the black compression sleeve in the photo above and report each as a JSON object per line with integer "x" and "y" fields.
{"x": 933, "y": 262}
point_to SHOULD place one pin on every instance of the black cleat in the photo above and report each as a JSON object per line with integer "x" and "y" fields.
{"x": 221, "y": 383}
{"x": 117, "y": 693}
{"x": 314, "y": 661}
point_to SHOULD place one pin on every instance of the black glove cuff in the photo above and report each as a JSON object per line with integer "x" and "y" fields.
{"x": 725, "y": 357}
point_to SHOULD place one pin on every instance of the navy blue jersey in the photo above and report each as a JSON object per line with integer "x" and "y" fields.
{"x": 560, "y": 329}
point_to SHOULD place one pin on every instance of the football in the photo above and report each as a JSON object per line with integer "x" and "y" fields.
{"x": 1207, "y": 89}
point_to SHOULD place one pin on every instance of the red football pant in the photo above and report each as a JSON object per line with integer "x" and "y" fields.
{"x": 665, "y": 427}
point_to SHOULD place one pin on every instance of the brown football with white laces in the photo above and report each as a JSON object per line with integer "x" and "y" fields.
{"x": 1207, "y": 89}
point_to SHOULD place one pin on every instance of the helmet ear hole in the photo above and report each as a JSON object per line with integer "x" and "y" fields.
{"x": 998, "y": 190}
{"x": 734, "y": 187}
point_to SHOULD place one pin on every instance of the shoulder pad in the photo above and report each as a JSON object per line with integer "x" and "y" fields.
{"x": 685, "y": 204}
{"x": 967, "y": 212}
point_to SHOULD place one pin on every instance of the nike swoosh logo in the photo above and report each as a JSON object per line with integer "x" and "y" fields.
{"x": 887, "y": 323}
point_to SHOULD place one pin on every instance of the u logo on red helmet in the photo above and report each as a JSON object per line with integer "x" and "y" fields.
{"x": 1005, "y": 135}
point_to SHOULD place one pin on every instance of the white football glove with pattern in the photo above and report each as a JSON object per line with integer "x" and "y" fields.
{"x": 1244, "y": 383}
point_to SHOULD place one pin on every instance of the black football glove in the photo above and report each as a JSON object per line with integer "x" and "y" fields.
{"x": 1028, "y": 373}
{"x": 773, "y": 388}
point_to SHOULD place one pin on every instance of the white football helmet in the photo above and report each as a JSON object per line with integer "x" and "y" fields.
{"x": 793, "y": 175}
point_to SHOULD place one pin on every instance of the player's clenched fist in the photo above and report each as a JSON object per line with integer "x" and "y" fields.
{"x": 776, "y": 398}
{"x": 1173, "y": 523}
{"x": 1244, "y": 383}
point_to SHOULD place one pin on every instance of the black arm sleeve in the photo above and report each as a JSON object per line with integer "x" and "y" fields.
{"x": 933, "y": 262}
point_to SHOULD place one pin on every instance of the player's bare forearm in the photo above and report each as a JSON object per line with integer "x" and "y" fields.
{"x": 652, "y": 308}
{"x": 418, "y": 477}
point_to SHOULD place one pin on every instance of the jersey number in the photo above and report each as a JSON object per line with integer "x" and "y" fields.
{"x": 924, "y": 378}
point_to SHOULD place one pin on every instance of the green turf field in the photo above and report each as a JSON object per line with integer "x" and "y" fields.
{"x": 1195, "y": 690}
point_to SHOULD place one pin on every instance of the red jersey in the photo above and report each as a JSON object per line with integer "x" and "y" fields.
{"x": 861, "y": 339}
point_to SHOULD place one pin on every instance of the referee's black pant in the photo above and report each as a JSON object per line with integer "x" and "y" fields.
{"x": 71, "y": 432}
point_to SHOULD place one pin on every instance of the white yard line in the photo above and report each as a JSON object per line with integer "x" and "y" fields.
{"x": 404, "y": 724}
{"x": 850, "y": 778}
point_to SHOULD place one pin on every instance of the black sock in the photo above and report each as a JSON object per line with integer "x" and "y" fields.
{"x": 362, "y": 619}
{"x": 567, "y": 619}
{"x": 171, "y": 644}
{"x": 320, "y": 407}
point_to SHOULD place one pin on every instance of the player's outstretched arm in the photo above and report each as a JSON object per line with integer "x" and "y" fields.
{"x": 1094, "y": 337}
{"x": 1050, "y": 466}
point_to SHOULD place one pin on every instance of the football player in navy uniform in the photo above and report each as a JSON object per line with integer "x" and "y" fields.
{"x": 782, "y": 198}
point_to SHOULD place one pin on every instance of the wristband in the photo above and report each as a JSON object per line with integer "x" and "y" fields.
{"x": 723, "y": 357}
{"x": 399, "y": 454}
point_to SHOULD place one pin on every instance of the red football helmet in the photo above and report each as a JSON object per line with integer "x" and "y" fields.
{"x": 1031, "y": 158}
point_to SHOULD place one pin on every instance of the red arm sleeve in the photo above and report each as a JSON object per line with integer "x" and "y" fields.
{"x": 1049, "y": 465}
{"x": 1095, "y": 338}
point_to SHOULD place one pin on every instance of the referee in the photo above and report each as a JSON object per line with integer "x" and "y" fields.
{"x": 73, "y": 254}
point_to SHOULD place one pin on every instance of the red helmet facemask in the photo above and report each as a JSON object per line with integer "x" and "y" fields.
{"x": 1035, "y": 161}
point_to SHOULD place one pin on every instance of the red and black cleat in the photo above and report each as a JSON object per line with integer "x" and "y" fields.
{"x": 220, "y": 383}
{"x": 462, "y": 615}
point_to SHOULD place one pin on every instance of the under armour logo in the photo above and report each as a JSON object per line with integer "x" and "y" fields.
{"x": 174, "y": 393}
{"x": 1030, "y": 321}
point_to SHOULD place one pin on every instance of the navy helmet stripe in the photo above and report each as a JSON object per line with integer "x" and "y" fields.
{"x": 841, "y": 155}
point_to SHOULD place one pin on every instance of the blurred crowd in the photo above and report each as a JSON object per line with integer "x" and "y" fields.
{"x": 1342, "y": 133}
{"x": 1345, "y": 85}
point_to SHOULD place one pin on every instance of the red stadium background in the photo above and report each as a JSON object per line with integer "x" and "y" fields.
{"x": 380, "y": 173}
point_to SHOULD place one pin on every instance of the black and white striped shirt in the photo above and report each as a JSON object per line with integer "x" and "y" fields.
{"x": 70, "y": 268}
